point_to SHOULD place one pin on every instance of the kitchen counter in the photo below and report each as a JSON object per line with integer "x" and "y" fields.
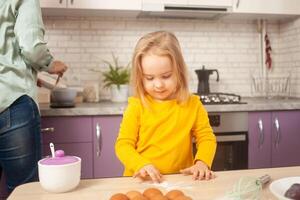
{"x": 95, "y": 189}
{"x": 110, "y": 108}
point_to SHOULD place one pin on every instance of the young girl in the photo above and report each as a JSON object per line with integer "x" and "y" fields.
{"x": 161, "y": 119}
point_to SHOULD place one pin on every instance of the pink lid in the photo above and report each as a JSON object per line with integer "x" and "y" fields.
{"x": 59, "y": 159}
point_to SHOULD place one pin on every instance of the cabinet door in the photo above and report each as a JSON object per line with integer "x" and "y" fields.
{"x": 53, "y": 3}
{"x": 66, "y": 129}
{"x": 3, "y": 191}
{"x": 106, "y": 130}
{"x": 259, "y": 134}
{"x": 74, "y": 136}
{"x": 174, "y": 2}
{"x": 215, "y": 3}
{"x": 104, "y": 4}
{"x": 291, "y": 7}
{"x": 285, "y": 138}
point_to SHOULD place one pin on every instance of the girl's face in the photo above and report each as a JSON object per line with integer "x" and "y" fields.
{"x": 158, "y": 77}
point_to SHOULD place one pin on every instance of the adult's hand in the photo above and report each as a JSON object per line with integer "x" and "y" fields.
{"x": 58, "y": 67}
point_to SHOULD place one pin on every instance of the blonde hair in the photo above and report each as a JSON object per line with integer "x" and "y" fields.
{"x": 160, "y": 43}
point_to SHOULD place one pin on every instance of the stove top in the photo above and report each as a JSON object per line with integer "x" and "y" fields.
{"x": 220, "y": 98}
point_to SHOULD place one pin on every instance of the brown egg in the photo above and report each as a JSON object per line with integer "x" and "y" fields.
{"x": 159, "y": 197}
{"x": 133, "y": 193}
{"x": 172, "y": 194}
{"x": 119, "y": 196}
{"x": 151, "y": 192}
{"x": 139, "y": 197}
{"x": 182, "y": 197}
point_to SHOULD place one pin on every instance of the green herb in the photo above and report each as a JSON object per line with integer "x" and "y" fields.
{"x": 116, "y": 75}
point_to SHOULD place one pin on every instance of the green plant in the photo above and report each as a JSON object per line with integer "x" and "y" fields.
{"x": 116, "y": 75}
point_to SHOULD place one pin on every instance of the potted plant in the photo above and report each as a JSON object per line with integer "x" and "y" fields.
{"x": 117, "y": 79}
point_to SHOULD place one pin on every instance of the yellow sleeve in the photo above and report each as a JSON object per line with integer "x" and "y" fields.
{"x": 205, "y": 139}
{"x": 125, "y": 146}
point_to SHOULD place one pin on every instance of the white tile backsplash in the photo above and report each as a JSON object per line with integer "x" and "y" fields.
{"x": 232, "y": 47}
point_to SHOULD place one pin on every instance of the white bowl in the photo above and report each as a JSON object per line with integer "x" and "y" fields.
{"x": 280, "y": 186}
{"x": 59, "y": 178}
{"x": 63, "y": 95}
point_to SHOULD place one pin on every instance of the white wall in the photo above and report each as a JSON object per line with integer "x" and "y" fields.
{"x": 289, "y": 53}
{"x": 232, "y": 47}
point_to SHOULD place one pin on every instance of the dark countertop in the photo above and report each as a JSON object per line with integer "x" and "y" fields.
{"x": 110, "y": 108}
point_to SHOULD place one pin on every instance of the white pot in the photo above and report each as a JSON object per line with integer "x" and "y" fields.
{"x": 119, "y": 94}
{"x": 59, "y": 176}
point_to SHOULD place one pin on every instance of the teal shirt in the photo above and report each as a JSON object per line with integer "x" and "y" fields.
{"x": 23, "y": 51}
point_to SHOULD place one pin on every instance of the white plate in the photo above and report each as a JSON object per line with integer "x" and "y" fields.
{"x": 280, "y": 186}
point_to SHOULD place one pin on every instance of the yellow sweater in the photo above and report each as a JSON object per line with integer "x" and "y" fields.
{"x": 163, "y": 135}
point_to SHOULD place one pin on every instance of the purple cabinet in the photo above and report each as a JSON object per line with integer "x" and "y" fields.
{"x": 3, "y": 192}
{"x": 74, "y": 136}
{"x": 90, "y": 138}
{"x": 274, "y": 139}
{"x": 105, "y": 132}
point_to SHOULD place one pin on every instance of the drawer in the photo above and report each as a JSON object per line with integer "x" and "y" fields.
{"x": 66, "y": 129}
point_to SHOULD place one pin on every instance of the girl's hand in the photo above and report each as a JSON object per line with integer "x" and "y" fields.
{"x": 149, "y": 171}
{"x": 199, "y": 171}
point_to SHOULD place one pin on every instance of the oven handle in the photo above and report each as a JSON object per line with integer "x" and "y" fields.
{"x": 231, "y": 138}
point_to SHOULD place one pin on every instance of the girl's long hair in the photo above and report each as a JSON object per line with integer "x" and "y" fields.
{"x": 160, "y": 43}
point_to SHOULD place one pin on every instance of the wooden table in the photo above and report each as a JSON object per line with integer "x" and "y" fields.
{"x": 102, "y": 189}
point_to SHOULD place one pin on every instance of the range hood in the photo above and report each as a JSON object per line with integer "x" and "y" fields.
{"x": 184, "y": 11}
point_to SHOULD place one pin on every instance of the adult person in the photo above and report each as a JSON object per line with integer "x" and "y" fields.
{"x": 23, "y": 53}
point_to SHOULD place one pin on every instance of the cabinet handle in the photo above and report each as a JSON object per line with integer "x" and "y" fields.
{"x": 237, "y": 3}
{"x": 50, "y": 129}
{"x": 99, "y": 140}
{"x": 261, "y": 133}
{"x": 72, "y": 1}
{"x": 60, "y": 1}
{"x": 277, "y": 126}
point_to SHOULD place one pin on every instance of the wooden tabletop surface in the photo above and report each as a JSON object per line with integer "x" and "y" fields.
{"x": 102, "y": 189}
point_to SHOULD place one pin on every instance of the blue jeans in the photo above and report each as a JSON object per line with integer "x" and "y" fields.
{"x": 20, "y": 142}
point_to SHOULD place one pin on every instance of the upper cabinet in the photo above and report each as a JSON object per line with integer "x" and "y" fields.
{"x": 93, "y": 4}
{"x": 106, "y": 5}
{"x": 216, "y": 3}
{"x": 176, "y": 2}
{"x": 280, "y": 7}
{"x": 177, "y": 8}
{"x": 188, "y": 3}
{"x": 202, "y": 9}
{"x": 53, "y": 3}
{"x": 191, "y": 2}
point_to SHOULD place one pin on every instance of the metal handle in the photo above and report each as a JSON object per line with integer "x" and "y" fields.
{"x": 60, "y": 1}
{"x": 277, "y": 126}
{"x": 237, "y": 3}
{"x": 72, "y": 2}
{"x": 99, "y": 141}
{"x": 261, "y": 133}
{"x": 231, "y": 138}
{"x": 50, "y": 129}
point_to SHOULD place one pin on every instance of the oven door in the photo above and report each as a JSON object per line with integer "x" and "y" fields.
{"x": 232, "y": 151}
